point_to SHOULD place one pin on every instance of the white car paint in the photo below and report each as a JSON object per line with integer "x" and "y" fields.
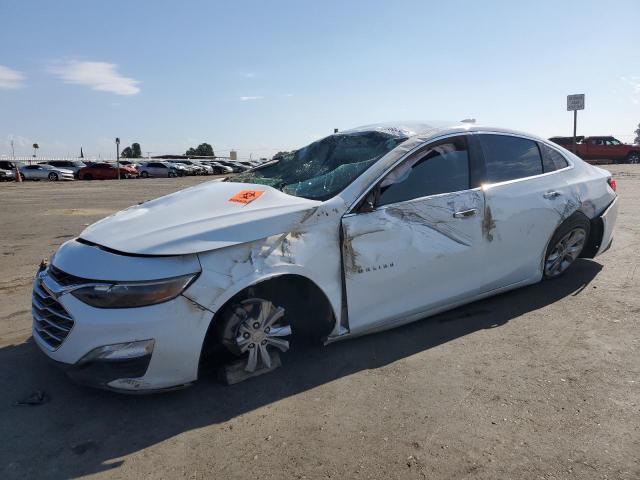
{"x": 42, "y": 172}
{"x": 378, "y": 258}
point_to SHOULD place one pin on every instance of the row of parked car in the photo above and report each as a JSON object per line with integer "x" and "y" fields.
{"x": 55, "y": 170}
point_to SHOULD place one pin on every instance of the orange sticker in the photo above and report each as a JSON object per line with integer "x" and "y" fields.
{"x": 246, "y": 196}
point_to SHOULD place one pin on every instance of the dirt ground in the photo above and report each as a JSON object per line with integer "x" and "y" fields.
{"x": 542, "y": 382}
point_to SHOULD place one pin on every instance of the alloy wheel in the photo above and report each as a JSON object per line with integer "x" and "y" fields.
{"x": 258, "y": 327}
{"x": 53, "y": 176}
{"x": 565, "y": 252}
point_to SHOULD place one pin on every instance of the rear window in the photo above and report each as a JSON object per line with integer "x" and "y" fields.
{"x": 552, "y": 160}
{"x": 508, "y": 158}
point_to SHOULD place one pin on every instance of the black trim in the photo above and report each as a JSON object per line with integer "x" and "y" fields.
{"x": 477, "y": 167}
{"x": 99, "y": 373}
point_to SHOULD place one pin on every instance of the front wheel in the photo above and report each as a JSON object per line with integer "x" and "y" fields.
{"x": 566, "y": 246}
{"x": 53, "y": 177}
{"x": 633, "y": 157}
{"x": 253, "y": 327}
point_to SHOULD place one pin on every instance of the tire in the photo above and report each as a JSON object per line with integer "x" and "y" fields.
{"x": 53, "y": 177}
{"x": 251, "y": 329}
{"x": 171, "y": 174}
{"x": 88, "y": 176}
{"x": 144, "y": 174}
{"x": 633, "y": 157}
{"x": 566, "y": 245}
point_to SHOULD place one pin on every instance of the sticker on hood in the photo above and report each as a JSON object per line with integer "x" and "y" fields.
{"x": 246, "y": 196}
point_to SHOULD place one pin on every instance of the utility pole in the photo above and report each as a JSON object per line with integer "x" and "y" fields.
{"x": 118, "y": 156}
{"x": 13, "y": 161}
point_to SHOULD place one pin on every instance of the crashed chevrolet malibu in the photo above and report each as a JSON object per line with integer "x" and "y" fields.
{"x": 358, "y": 232}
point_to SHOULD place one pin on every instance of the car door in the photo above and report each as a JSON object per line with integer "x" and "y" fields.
{"x": 161, "y": 170}
{"x": 525, "y": 202}
{"x": 413, "y": 244}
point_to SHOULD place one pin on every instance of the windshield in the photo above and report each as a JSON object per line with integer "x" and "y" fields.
{"x": 321, "y": 170}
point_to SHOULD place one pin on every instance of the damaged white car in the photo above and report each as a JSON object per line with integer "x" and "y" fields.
{"x": 358, "y": 232}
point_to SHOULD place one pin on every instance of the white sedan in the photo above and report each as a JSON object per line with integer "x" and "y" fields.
{"x": 45, "y": 172}
{"x": 358, "y": 232}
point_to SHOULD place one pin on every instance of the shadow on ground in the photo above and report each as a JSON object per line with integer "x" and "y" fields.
{"x": 83, "y": 431}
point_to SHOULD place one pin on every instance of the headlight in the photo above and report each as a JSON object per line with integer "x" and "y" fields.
{"x": 133, "y": 294}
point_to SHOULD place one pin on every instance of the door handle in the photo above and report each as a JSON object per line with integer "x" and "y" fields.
{"x": 552, "y": 194}
{"x": 465, "y": 213}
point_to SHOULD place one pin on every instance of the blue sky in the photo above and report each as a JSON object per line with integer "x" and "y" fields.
{"x": 260, "y": 76}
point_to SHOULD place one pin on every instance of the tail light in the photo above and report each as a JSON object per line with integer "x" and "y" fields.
{"x": 612, "y": 183}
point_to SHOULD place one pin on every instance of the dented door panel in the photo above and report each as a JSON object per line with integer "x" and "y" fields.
{"x": 409, "y": 257}
{"x": 524, "y": 215}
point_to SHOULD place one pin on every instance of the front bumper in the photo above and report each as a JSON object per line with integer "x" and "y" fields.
{"x": 108, "y": 375}
{"x": 177, "y": 327}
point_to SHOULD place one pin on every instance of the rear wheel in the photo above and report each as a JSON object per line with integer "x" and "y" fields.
{"x": 88, "y": 176}
{"x": 566, "y": 245}
{"x": 172, "y": 174}
{"x": 53, "y": 177}
{"x": 633, "y": 157}
{"x": 144, "y": 174}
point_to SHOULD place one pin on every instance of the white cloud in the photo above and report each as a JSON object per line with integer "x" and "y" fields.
{"x": 634, "y": 82}
{"x": 255, "y": 97}
{"x": 10, "y": 79}
{"x": 249, "y": 75}
{"x": 18, "y": 141}
{"x": 97, "y": 75}
{"x": 288, "y": 95}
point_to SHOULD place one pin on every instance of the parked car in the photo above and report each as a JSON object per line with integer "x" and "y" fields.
{"x": 7, "y": 175}
{"x": 217, "y": 168}
{"x": 606, "y": 148}
{"x": 131, "y": 163}
{"x": 236, "y": 167}
{"x": 161, "y": 169}
{"x": 192, "y": 168}
{"x": 45, "y": 172}
{"x": 73, "y": 165}
{"x": 106, "y": 171}
{"x": 359, "y": 232}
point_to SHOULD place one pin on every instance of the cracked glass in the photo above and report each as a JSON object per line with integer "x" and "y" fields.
{"x": 324, "y": 168}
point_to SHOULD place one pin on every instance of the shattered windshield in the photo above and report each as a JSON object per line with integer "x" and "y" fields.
{"x": 324, "y": 168}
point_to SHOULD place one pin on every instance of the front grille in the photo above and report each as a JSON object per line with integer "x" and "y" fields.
{"x": 51, "y": 321}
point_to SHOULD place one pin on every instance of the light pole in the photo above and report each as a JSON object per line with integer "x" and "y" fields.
{"x": 15, "y": 166}
{"x": 118, "y": 156}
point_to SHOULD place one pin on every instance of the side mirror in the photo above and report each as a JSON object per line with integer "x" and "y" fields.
{"x": 367, "y": 206}
{"x": 369, "y": 203}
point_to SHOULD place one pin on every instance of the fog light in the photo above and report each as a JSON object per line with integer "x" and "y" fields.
{"x": 120, "y": 351}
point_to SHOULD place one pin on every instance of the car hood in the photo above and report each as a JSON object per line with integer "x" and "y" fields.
{"x": 199, "y": 219}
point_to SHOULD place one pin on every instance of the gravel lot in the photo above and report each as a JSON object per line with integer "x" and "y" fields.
{"x": 542, "y": 382}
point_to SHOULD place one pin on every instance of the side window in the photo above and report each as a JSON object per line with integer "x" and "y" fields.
{"x": 552, "y": 160}
{"x": 439, "y": 168}
{"x": 508, "y": 158}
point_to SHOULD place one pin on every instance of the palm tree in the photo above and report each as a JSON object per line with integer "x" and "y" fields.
{"x": 35, "y": 148}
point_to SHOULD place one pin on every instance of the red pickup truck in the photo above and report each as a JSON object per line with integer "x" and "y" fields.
{"x": 596, "y": 149}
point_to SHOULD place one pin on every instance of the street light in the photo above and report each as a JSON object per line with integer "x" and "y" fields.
{"x": 118, "y": 156}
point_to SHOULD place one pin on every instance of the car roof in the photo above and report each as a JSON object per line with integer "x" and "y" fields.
{"x": 428, "y": 129}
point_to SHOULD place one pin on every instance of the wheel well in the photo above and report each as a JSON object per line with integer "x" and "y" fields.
{"x": 306, "y": 307}
{"x": 595, "y": 238}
